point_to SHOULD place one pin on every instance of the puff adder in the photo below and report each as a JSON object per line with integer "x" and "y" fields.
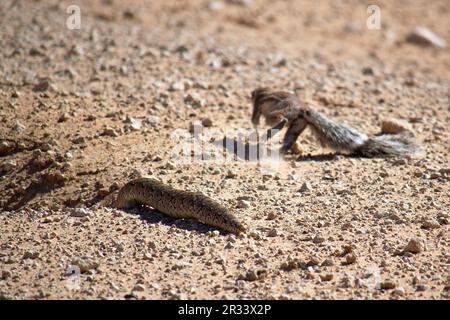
{"x": 177, "y": 203}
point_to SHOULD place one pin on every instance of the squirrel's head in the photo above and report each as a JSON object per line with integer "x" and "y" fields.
{"x": 257, "y": 95}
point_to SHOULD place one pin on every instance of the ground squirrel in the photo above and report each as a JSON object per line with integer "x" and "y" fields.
{"x": 282, "y": 108}
{"x": 177, "y": 203}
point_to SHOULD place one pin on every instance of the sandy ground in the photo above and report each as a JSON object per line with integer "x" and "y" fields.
{"x": 83, "y": 111}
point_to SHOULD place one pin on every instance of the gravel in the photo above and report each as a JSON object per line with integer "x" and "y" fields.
{"x": 126, "y": 90}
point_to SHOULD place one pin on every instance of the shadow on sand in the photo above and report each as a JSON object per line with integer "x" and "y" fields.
{"x": 154, "y": 217}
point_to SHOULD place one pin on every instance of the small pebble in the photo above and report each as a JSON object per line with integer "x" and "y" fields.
{"x": 139, "y": 287}
{"x": 421, "y": 287}
{"x": 304, "y": 188}
{"x": 430, "y": 224}
{"x": 326, "y": 277}
{"x": 85, "y": 263}
{"x": 399, "y": 291}
{"x": 394, "y": 126}
{"x": 318, "y": 239}
{"x": 207, "y": 122}
{"x": 414, "y": 246}
{"x": 243, "y": 204}
{"x": 271, "y": 215}
{"x": 351, "y": 258}
{"x": 388, "y": 284}
{"x": 328, "y": 262}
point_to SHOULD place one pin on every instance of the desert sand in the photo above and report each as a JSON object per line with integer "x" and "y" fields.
{"x": 85, "y": 110}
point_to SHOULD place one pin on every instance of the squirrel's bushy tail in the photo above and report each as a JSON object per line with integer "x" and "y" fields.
{"x": 390, "y": 145}
{"x": 344, "y": 138}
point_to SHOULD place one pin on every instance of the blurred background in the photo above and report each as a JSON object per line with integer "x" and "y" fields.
{"x": 331, "y": 29}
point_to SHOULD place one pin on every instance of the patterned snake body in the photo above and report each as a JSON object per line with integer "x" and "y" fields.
{"x": 177, "y": 203}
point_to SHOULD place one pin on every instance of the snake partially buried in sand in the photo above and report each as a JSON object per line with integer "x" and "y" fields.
{"x": 177, "y": 203}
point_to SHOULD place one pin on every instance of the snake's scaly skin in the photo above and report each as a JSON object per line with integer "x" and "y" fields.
{"x": 177, "y": 203}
